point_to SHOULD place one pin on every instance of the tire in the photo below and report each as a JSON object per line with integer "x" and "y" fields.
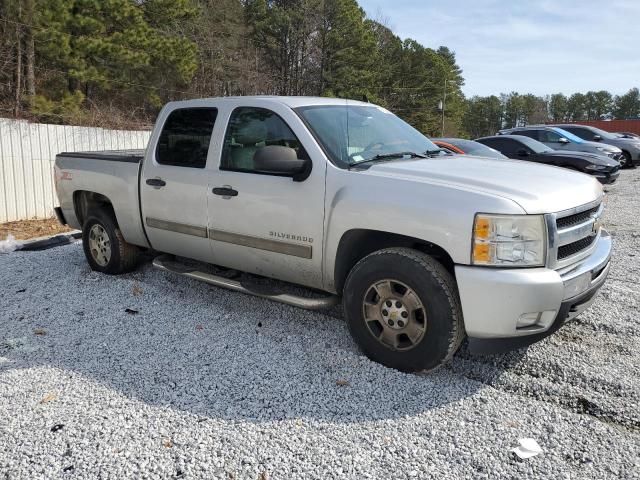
{"x": 105, "y": 247}
{"x": 628, "y": 161}
{"x": 410, "y": 275}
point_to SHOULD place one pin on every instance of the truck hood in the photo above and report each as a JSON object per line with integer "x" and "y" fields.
{"x": 536, "y": 188}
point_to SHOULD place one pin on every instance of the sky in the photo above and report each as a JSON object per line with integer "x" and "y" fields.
{"x": 528, "y": 46}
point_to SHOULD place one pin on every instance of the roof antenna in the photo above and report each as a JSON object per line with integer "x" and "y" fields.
{"x": 364, "y": 98}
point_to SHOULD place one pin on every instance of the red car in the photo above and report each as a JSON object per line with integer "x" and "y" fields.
{"x": 461, "y": 146}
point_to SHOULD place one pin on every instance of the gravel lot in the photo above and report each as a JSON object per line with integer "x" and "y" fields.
{"x": 207, "y": 383}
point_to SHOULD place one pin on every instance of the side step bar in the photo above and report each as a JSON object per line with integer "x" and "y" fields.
{"x": 167, "y": 263}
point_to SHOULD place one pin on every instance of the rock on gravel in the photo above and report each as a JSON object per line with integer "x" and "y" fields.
{"x": 206, "y": 383}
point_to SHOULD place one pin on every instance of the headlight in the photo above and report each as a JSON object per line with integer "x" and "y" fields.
{"x": 509, "y": 240}
{"x": 605, "y": 150}
{"x": 595, "y": 167}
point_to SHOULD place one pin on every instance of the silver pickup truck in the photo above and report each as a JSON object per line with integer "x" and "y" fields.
{"x": 345, "y": 198}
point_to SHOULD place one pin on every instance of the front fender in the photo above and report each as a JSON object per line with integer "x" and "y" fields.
{"x": 439, "y": 214}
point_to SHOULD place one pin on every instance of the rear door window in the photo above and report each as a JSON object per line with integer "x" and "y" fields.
{"x": 185, "y": 137}
{"x": 583, "y": 133}
{"x": 510, "y": 147}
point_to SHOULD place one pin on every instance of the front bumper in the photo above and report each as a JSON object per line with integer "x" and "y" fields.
{"x": 505, "y": 309}
{"x": 606, "y": 178}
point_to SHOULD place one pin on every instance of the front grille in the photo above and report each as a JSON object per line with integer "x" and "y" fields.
{"x": 575, "y": 247}
{"x": 575, "y": 219}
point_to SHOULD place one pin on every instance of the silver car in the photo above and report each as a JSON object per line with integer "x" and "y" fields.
{"x": 630, "y": 146}
{"x": 559, "y": 139}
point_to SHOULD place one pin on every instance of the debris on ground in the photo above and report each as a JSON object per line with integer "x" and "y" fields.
{"x": 49, "y": 397}
{"x": 527, "y": 448}
{"x": 9, "y": 245}
{"x": 26, "y": 229}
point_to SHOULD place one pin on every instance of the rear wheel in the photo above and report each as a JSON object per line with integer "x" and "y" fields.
{"x": 105, "y": 247}
{"x": 403, "y": 310}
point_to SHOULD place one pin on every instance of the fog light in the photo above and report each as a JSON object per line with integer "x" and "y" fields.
{"x": 536, "y": 320}
{"x": 528, "y": 319}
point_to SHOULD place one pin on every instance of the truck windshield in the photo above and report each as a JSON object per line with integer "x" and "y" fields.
{"x": 351, "y": 134}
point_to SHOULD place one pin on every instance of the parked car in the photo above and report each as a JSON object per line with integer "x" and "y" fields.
{"x": 346, "y": 198}
{"x": 630, "y": 147}
{"x": 519, "y": 147}
{"x": 559, "y": 139}
{"x": 466, "y": 147}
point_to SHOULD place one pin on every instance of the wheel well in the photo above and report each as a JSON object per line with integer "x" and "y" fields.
{"x": 357, "y": 244}
{"x": 86, "y": 202}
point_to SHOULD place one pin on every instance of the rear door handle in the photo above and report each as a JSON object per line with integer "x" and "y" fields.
{"x": 225, "y": 191}
{"x": 156, "y": 182}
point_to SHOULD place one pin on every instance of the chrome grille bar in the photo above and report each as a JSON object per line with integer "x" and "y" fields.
{"x": 575, "y": 233}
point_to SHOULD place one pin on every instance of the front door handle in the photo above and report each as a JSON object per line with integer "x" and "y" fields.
{"x": 225, "y": 191}
{"x": 156, "y": 182}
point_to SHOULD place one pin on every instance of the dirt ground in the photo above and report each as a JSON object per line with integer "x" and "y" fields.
{"x": 26, "y": 229}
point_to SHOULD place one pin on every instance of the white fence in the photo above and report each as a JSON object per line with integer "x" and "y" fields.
{"x": 27, "y": 153}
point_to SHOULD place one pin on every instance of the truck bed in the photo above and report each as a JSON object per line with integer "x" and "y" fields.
{"x": 113, "y": 174}
{"x": 131, "y": 156}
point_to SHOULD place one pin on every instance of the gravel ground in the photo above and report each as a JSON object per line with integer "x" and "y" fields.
{"x": 198, "y": 382}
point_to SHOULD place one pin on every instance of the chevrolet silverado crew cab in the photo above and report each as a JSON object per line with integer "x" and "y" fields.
{"x": 348, "y": 200}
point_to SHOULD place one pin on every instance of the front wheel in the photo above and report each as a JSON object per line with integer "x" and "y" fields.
{"x": 105, "y": 247}
{"x": 628, "y": 161}
{"x": 403, "y": 310}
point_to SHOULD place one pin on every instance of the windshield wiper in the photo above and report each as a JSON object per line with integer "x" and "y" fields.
{"x": 433, "y": 153}
{"x": 390, "y": 156}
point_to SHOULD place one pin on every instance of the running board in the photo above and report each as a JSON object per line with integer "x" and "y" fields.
{"x": 167, "y": 263}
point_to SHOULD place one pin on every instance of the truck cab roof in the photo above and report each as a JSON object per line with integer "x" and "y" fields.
{"x": 290, "y": 101}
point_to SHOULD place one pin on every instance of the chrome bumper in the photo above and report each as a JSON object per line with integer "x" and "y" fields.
{"x": 517, "y": 307}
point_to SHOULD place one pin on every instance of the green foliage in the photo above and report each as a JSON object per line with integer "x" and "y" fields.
{"x": 483, "y": 116}
{"x": 627, "y": 105}
{"x": 558, "y": 107}
{"x": 128, "y": 57}
{"x": 486, "y": 115}
{"x": 68, "y": 107}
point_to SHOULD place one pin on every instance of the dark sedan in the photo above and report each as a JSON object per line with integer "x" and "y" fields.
{"x": 519, "y": 147}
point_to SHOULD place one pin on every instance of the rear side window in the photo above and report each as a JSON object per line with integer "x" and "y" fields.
{"x": 580, "y": 132}
{"x": 500, "y": 144}
{"x": 185, "y": 137}
{"x": 250, "y": 129}
{"x": 535, "y": 134}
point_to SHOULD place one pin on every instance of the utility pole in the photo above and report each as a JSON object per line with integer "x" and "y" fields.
{"x": 444, "y": 101}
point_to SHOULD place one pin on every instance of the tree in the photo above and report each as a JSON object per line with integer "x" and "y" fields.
{"x": 347, "y": 50}
{"x": 558, "y": 107}
{"x": 483, "y": 116}
{"x": 627, "y": 105}
{"x": 576, "y": 107}
{"x": 598, "y": 104}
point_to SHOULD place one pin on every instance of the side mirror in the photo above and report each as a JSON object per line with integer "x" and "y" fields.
{"x": 281, "y": 161}
{"x": 597, "y": 138}
{"x": 522, "y": 153}
{"x": 563, "y": 140}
